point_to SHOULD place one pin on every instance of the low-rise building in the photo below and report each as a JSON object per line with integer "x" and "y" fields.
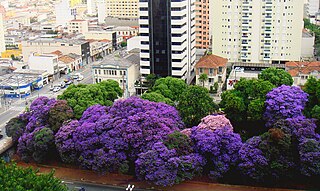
{"x": 103, "y": 34}
{"x": 48, "y": 45}
{"x": 301, "y": 71}
{"x": 123, "y": 70}
{"x": 100, "y": 48}
{"x": 215, "y": 67}
{"x": 48, "y": 62}
{"x": 71, "y": 62}
{"x": 307, "y": 46}
{"x": 19, "y": 85}
{"x": 43, "y": 74}
{"x": 78, "y": 26}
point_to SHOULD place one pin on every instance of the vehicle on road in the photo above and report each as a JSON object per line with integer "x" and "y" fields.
{"x": 80, "y": 78}
{"x": 56, "y": 89}
{"x": 51, "y": 88}
{"x": 1, "y": 136}
{"x": 69, "y": 82}
{"x": 63, "y": 85}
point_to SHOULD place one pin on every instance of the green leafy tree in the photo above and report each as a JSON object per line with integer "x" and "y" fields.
{"x": 194, "y": 104}
{"x": 276, "y": 76}
{"x": 170, "y": 87}
{"x": 80, "y": 97}
{"x": 180, "y": 142}
{"x": 151, "y": 80}
{"x": 312, "y": 87}
{"x": 203, "y": 78}
{"x": 156, "y": 97}
{"x": 14, "y": 178}
{"x": 14, "y": 128}
{"x": 43, "y": 144}
{"x": 244, "y": 106}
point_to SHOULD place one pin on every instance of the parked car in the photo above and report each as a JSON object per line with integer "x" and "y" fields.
{"x": 56, "y": 89}
{"x": 69, "y": 82}
{"x": 51, "y": 88}
{"x": 80, "y": 78}
{"x": 63, "y": 85}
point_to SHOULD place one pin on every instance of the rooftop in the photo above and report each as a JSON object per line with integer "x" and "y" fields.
{"x": 126, "y": 62}
{"x": 297, "y": 68}
{"x": 211, "y": 61}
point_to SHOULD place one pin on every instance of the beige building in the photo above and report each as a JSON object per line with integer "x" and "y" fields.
{"x": 48, "y": 45}
{"x": 257, "y": 31}
{"x": 2, "y": 41}
{"x": 123, "y": 70}
{"x": 72, "y": 62}
{"x": 78, "y": 26}
{"x": 122, "y": 8}
{"x": 301, "y": 71}
{"x": 215, "y": 67}
{"x": 307, "y": 46}
{"x": 202, "y": 24}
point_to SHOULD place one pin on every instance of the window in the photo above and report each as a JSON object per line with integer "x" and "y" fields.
{"x": 220, "y": 70}
{"x": 200, "y": 70}
{"x": 211, "y": 71}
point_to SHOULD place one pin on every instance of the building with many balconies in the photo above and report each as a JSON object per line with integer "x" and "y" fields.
{"x": 255, "y": 31}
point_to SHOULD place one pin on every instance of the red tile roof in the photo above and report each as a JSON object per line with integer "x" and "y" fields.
{"x": 296, "y": 68}
{"x": 211, "y": 61}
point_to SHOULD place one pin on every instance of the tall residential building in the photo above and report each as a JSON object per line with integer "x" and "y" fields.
{"x": 312, "y": 7}
{"x": 102, "y": 11}
{"x": 63, "y": 13}
{"x": 2, "y": 41}
{"x": 167, "y": 38}
{"x": 202, "y": 24}
{"x": 255, "y": 31}
{"x": 92, "y": 7}
{"x": 122, "y": 8}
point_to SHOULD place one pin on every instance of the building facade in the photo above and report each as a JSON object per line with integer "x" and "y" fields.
{"x": 48, "y": 62}
{"x": 202, "y": 24}
{"x": 78, "y": 26}
{"x": 122, "y": 8}
{"x": 63, "y": 13}
{"x": 301, "y": 71}
{"x": 312, "y": 8}
{"x": 255, "y": 31}
{"x": 167, "y": 38}
{"x": 123, "y": 70}
{"x": 2, "y": 41}
{"x": 48, "y": 45}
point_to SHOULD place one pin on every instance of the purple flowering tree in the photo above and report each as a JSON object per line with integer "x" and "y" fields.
{"x": 268, "y": 158}
{"x": 220, "y": 148}
{"x": 284, "y": 102}
{"x": 36, "y": 140}
{"x": 110, "y": 139}
{"x": 163, "y": 166}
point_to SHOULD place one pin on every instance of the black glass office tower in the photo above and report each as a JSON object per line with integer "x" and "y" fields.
{"x": 160, "y": 37}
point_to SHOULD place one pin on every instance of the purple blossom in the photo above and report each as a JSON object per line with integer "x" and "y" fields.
{"x": 284, "y": 102}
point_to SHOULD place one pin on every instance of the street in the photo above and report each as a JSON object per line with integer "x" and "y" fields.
{"x": 17, "y": 105}
{"x": 75, "y": 186}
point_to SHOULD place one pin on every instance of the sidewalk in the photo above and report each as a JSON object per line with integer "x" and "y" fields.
{"x": 73, "y": 174}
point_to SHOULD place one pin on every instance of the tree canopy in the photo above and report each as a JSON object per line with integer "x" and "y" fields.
{"x": 276, "y": 76}
{"x": 195, "y": 103}
{"x": 170, "y": 87}
{"x": 81, "y": 96}
{"x": 14, "y": 178}
{"x": 156, "y": 97}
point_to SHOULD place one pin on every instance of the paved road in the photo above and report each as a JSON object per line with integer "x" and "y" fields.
{"x": 17, "y": 105}
{"x": 75, "y": 186}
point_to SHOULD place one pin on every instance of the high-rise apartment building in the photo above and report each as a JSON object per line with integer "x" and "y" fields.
{"x": 122, "y": 8}
{"x": 102, "y": 11}
{"x": 312, "y": 7}
{"x": 202, "y": 24}
{"x": 167, "y": 38}
{"x": 92, "y": 7}
{"x": 2, "y": 41}
{"x": 63, "y": 13}
{"x": 257, "y": 31}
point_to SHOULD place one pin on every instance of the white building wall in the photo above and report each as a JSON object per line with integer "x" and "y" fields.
{"x": 307, "y": 47}
{"x": 102, "y": 11}
{"x": 133, "y": 43}
{"x": 47, "y": 62}
{"x": 257, "y": 31}
{"x": 63, "y": 13}
{"x": 92, "y": 7}
{"x": 2, "y": 41}
{"x": 312, "y": 7}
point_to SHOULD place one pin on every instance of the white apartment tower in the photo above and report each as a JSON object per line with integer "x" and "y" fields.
{"x": 102, "y": 11}
{"x": 92, "y": 7}
{"x": 167, "y": 38}
{"x": 2, "y": 42}
{"x": 312, "y": 7}
{"x": 257, "y": 31}
{"x": 63, "y": 13}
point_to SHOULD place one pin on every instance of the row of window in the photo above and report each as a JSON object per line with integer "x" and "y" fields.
{"x": 110, "y": 72}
